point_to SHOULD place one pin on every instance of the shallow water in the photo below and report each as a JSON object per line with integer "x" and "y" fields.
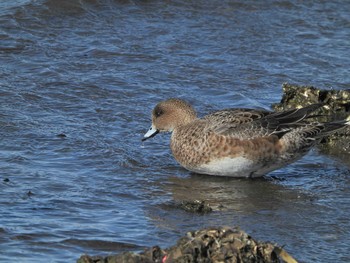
{"x": 78, "y": 80}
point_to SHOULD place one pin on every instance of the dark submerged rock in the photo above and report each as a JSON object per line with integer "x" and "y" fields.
{"x": 218, "y": 244}
{"x": 200, "y": 207}
{"x": 196, "y": 206}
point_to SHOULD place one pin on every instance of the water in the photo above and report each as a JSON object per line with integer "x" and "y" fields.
{"x": 78, "y": 80}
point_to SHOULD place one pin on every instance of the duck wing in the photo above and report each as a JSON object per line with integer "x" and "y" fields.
{"x": 250, "y": 123}
{"x": 234, "y": 117}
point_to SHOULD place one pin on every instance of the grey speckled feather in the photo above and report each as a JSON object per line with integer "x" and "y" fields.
{"x": 250, "y": 123}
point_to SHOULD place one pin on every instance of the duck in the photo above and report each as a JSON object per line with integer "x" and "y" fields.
{"x": 238, "y": 142}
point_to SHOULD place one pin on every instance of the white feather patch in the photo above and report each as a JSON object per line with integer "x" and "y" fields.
{"x": 234, "y": 167}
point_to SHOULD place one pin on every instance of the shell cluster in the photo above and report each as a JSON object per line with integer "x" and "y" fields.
{"x": 210, "y": 245}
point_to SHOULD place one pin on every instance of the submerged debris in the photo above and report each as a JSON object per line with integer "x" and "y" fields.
{"x": 200, "y": 207}
{"x": 61, "y": 135}
{"x": 196, "y": 206}
{"x": 337, "y": 107}
{"x": 220, "y": 244}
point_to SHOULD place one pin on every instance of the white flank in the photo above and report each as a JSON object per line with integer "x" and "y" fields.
{"x": 234, "y": 167}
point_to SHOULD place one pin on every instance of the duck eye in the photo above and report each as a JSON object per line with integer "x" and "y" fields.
{"x": 158, "y": 113}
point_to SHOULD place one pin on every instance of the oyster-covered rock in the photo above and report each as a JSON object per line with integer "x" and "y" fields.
{"x": 219, "y": 244}
{"x": 337, "y": 107}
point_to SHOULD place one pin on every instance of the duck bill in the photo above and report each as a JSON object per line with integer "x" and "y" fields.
{"x": 151, "y": 133}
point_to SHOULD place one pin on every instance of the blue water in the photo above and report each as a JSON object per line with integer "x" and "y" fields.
{"x": 78, "y": 80}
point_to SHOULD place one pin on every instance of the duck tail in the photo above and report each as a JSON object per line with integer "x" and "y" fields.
{"x": 334, "y": 126}
{"x": 329, "y": 128}
{"x": 305, "y": 136}
{"x": 296, "y": 115}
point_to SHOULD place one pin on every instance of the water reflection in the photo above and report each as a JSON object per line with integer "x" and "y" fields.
{"x": 244, "y": 196}
{"x": 262, "y": 207}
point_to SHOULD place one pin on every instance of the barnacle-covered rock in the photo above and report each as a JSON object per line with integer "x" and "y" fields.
{"x": 216, "y": 245}
{"x": 337, "y": 102}
{"x": 195, "y": 206}
{"x": 337, "y": 107}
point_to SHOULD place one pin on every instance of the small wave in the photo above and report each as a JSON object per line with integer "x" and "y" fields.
{"x": 7, "y": 6}
{"x": 23, "y": 8}
{"x": 67, "y": 6}
{"x": 76, "y": 6}
{"x": 101, "y": 244}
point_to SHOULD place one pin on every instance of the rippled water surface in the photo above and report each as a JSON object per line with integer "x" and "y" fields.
{"x": 78, "y": 80}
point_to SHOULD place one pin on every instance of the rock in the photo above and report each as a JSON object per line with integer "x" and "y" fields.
{"x": 196, "y": 206}
{"x": 337, "y": 107}
{"x": 337, "y": 101}
{"x": 61, "y": 135}
{"x": 199, "y": 207}
{"x": 217, "y": 244}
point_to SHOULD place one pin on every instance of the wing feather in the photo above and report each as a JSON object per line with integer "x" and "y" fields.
{"x": 251, "y": 123}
